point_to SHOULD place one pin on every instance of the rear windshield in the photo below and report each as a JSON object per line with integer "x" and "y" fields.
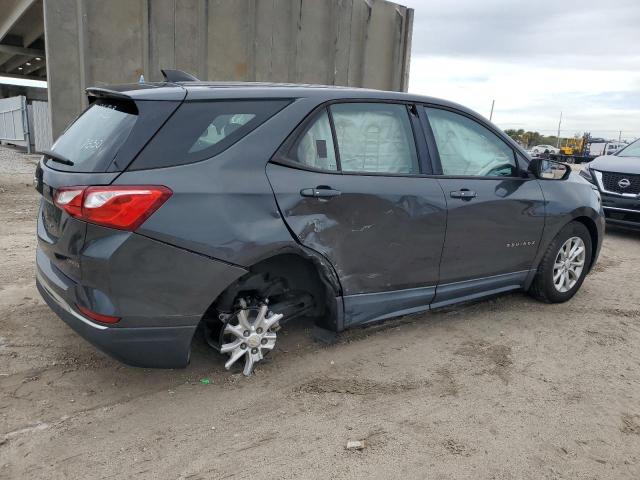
{"x": 203, "y": 129}
{"x": 93, "y": 140}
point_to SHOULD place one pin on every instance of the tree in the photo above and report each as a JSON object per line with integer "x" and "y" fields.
{"x": 530, "y": 139}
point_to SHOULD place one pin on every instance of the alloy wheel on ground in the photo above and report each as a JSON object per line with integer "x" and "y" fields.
{"x": 250, "y": 333}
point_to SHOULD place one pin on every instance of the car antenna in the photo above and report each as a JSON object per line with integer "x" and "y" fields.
{"x": 178, "y": 76}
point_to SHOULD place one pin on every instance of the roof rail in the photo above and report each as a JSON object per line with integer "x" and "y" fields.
{"x": 177, "y": 76}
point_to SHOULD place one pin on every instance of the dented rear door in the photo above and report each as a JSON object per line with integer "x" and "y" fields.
{"x": 382, "y": 231}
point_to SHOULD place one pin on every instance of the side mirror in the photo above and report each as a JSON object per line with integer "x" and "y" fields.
{"x": 548, "y": 169}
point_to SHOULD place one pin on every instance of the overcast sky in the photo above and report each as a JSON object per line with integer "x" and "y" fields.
{"x": 535, "y": 58}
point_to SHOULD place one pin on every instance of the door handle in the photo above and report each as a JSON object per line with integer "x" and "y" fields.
{"x": 464, "y": 194}
{"x": 321, "y": 191}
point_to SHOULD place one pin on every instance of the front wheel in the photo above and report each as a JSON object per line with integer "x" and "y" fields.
{"x": 564, "y": 265}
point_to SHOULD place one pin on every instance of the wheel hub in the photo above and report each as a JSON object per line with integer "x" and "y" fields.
{"x": 250, "y": 334}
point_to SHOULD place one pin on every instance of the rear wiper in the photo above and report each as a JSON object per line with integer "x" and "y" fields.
{"x": 56, "y": 157}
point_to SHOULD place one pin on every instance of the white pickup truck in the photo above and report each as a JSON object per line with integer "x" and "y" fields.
{"x": 597, "y": 149}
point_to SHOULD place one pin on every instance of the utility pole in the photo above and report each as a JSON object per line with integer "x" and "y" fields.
{"x": 559, "y": 124}
{"x": 620, "y": 136}
{"x": 493, "y": 102}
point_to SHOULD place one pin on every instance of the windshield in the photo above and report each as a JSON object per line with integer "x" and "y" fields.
{"x": 632, "y": 150}
{"x": 93, "y": 140}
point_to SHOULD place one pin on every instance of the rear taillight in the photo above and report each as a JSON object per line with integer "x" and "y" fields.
{"x": 70, "y": 199}
{"x": 97, "y": 316}
{"x": 122, "y": 207}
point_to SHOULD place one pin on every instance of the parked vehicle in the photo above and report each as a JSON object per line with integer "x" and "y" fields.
{"x": 238, "y": 207}
{"x": 600, "y": 148}
{"x": 541, "y": 149}
{"x": 618, "y": 180}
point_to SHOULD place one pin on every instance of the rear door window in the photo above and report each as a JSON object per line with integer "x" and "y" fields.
{"x": 203, "y": 129}
{"x": 93, "y": 140}
{"x": 315, "y": 147}
{"x": 362, "y": 137}
{"x": 375, "y": 138}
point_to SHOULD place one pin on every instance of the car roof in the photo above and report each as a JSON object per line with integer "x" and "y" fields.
{"x": 200, "y": 90}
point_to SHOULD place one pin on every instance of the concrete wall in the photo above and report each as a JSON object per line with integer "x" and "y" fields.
{"x": 364, "y": 43}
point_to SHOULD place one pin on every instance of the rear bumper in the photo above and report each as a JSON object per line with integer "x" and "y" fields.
{"x": 154, "y": 347}
{"x": 159, "y": 292}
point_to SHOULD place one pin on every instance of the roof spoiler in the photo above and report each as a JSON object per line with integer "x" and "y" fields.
{"x": 102, "y": 92}
{"x": 135, "y": 92}
{"x": 177, "y": 76}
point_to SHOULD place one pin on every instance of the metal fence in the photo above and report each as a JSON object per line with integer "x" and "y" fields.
{"x": 25, "y": 125}
{"x": 41, "y": 127}
{"x": 13, "y": 121}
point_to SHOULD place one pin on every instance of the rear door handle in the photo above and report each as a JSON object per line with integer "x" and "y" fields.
{"x": 464, "y": 193}
{"x": 321, "y": 191}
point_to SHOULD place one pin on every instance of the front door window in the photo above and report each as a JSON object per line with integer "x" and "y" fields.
{"x": 467, "y": 148}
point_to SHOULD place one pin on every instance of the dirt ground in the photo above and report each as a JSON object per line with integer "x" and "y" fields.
{"x": 503, "y": 389}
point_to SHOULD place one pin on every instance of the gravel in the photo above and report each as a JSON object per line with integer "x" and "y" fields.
{"x": 507, "y": 388}
{"x": 14, "y": 160}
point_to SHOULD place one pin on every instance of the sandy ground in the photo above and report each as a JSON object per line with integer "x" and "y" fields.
{"x": 507, "y": 389}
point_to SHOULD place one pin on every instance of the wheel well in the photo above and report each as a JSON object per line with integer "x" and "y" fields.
{"x": 297, "y": 274}
{"x": 281, "y": 275}
{"x": 593, "y": 232}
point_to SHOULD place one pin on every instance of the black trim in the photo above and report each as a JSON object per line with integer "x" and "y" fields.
{"x": 103, "y": 92}
{"x": 430, "y": 141}
{"x": 284, "y": 162}
{"x": 419, "y": 139}
{"x": 486, "y": 177}
{"x": 467, "y": 290}
{"x": 365, "y": 308}
{"x": 372, "y": 307}
{"x": 623, "y": 223}
{"x": 334, "y": 137}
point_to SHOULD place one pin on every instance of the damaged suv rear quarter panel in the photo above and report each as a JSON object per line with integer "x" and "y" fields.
{"x": 136, "y": 265}
{"x": 232, "y": 213}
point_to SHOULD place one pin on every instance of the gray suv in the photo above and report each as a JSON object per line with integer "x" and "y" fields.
{"x": 236, "y": 207}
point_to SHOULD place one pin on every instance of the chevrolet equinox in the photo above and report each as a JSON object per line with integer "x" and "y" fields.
{"x": 236, "y": 207}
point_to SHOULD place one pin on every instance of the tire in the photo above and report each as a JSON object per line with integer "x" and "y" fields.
{"x": 544, "y": 286}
